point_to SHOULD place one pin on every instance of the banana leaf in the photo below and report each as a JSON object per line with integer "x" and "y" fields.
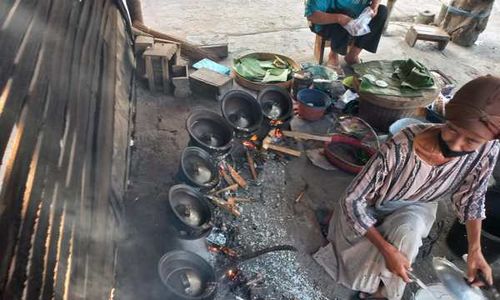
{"x": 263, "y": 70}
{"x": 390, "y": 72}
{"x": 250, "y": 68}
{"x": 276, "y": 75}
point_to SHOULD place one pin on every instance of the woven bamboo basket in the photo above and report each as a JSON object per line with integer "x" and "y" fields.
{"x": 257, "y": 86}
{"x": 381, "y": 111}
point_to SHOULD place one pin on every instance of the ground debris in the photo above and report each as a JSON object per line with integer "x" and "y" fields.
{"x": 264, "y": 223}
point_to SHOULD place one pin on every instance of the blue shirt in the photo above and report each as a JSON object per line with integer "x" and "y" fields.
{"x": 351, "y": 7}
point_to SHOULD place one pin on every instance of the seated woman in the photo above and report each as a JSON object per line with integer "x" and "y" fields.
{"x": 328, "y": 17}
{"x": 379, "y": 223}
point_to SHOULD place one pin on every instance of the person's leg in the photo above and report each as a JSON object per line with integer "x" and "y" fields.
{"x": 339, "y": 39}
{"x": 352, "y": 56}
{"x": 405, "y": 228}
{"x": 370, "y": 41}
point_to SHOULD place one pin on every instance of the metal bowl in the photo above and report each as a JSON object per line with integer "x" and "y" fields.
{"x": 198, "y": 168}
{"x": 189, "y": 212}
{"x": 209, "y": 131}
{"x": 187, "y": 276}
{"x": 242, "y": 111}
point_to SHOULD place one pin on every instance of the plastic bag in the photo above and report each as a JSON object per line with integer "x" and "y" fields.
{"x": 359, "y": 26}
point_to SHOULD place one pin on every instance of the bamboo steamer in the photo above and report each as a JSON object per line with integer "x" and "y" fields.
{"x": 257, "y": 86}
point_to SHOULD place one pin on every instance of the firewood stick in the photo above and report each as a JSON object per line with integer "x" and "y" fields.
{"x": 301, "y": 194}
{"x": 243, "y": 199}
{"x": 241, "y": 182}
{"x": 222, "y": 204}
{"x": 284, "y": 150}
{"x": 233, "y": 188}
{"x": 266, "y": 144}
{"x": 251, "y": 165}
{"x": 306, "y": 136}
{"x": 226, "y": 177}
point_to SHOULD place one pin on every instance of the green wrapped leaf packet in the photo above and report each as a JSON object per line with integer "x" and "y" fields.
{"x": 277, "y": 70}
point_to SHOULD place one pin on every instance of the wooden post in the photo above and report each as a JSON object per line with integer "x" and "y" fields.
{"x": 319, "y": 48}
{"x": 465, "y": 20}
{"x": 390, "y": 6}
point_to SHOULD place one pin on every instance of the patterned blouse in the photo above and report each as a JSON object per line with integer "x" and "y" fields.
{"x": 396, "y": 173}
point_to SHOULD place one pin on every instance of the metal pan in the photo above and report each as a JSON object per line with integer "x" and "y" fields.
{"x": 455, "y": 281}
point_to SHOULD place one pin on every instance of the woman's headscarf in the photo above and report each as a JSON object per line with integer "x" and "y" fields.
{"x": 476, "y": 107}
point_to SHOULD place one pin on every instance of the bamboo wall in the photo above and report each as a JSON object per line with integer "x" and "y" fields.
{"x": 66, "y": 73}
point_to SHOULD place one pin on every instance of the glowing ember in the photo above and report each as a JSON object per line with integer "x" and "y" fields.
{"x": 249, "y": 144}
{"x": 232, "y": 274}
{"x": 254, "y": 138}
{"x": 213, "y": 249}
{"x": 275, "y": 122}
{"x": 278, "y": 133}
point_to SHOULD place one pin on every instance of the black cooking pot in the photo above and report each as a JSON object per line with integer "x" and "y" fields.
{"x": 490, "y": 233}
{"x": 187, "y": 276}
{"x": 209, "y": 131}
{"x": 242, "y": 111}
{"x": 189, "y": 212}
{"x": 198, "y": 169}
{"x": 276, "y": 103}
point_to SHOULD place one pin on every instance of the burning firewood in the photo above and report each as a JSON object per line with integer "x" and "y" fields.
{"x": 226, "y": 250}
{"x": 230, "y": 207}
{"x": 226, "y": 176}
{"x": 251, "y": 163}
{"x": 237, "y": 177}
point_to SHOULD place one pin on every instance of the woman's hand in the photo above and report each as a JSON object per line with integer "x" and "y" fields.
{"x": 475, "y": 258}
{"x": 343, "y": 19}
{"x": 397, "y": 263}
{"x": 475, "y": 263}
{"x": 374, "y": 7}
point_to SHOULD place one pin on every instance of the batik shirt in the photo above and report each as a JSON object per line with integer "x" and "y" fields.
{"x": 396, "y": 173}
{"x": 351, "y": 7}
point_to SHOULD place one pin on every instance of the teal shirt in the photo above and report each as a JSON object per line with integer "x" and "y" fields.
{"x": 352, "y": 7}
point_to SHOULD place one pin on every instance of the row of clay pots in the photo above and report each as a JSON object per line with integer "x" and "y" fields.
{"x": 185, "y": 274}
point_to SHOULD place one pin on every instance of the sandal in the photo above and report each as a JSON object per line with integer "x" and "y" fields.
{"x": 337, "y": 68}
{"x": 367, "y": 296}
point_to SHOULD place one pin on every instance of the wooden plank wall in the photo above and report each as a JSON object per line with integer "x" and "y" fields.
{"x": 66, "y": 74}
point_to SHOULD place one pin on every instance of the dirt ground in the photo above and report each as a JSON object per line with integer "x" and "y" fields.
{"x": 160, "y": 135}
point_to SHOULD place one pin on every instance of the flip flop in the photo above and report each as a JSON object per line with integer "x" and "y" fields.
{"x": 368, "y": 296}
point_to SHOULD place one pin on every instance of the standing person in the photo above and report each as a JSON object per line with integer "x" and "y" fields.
{"x": 328, "y": 17}
{"x": 378, "y": 226}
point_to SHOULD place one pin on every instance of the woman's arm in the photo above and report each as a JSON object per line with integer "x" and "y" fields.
{"x": 395, "y": 261}
{"x": 323, "y": 18}
{"x": 475, "y": 259}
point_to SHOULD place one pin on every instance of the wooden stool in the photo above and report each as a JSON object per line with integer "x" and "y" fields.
{"x": 159, "y": 60}
{"x": 319, "y": 48}
{"x": 427, "y": 33}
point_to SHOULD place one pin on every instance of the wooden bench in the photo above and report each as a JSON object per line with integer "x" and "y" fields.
{"x": 427, "y": 33}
